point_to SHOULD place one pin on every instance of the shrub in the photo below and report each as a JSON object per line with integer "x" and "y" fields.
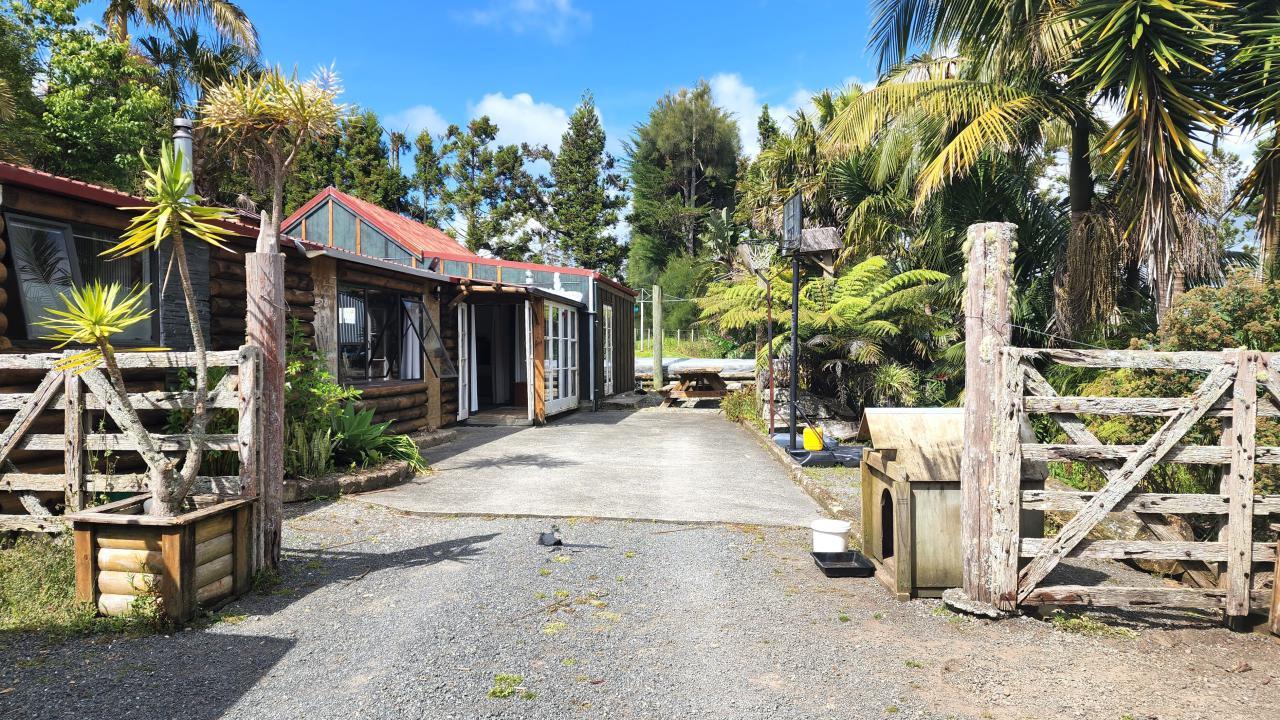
{"x": 360, "y": 442}
{"x": 742, "y": 405}
{"x": 311, "y": 398}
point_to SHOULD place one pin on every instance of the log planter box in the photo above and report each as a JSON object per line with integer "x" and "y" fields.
{"x": 198, "y": 559}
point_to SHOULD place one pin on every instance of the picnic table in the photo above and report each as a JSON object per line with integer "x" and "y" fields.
{"x": 692, "y": 384}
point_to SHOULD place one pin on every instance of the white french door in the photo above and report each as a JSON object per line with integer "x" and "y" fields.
{"x": 560, "y": 359}
{"x": 465, "y": 371}
{"x": 608, "y": 349}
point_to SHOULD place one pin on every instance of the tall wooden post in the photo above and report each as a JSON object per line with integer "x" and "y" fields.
{"x": 987, "y": 331}
{"x": 73, "y": 437}
{"x": 264, "y": 290}
{"x": 657, "y": 339}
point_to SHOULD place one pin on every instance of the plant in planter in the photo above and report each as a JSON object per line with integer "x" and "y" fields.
{"x": 155, "y": 545}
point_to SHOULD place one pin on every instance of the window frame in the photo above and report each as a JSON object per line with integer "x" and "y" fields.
{"x": 399, "y": 299}
{"x": 68, "y": 230}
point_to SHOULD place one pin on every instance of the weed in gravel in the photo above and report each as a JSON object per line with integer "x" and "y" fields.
{"x": 843, "y": 618}
{"x": 505, "y": 685}
{"x": 629, "y": 554}
{"x": 598, "y": 603}
{"x": 914, "y": 664}
{"x": 621, "y": 578}
{"x": 891, "y": 710}
{"x": 562, "y": 594}
{"x": 568, "y": 662}
{"x": 265, "y": 581}
{"x": 528, "y": 695}
{"x": 229, "y": 618}
{"x": 562, "y": 559}
{"x": 544, "y": 571}
{"x": 610, "y": 616}
{"x": 554, "y": 627}
{"x": 1088, "y": 626}
{"x": 540, "y": 595}
{"x": 877, "y": 616}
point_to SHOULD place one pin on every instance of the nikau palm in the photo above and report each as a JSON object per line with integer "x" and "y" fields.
{"x": 94, "y": 313}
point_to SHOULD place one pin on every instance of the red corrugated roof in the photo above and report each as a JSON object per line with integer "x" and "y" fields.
{"x": 244, "y": 224}
{"x": 413, "y": 235}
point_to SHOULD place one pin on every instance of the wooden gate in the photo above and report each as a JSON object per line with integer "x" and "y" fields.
{"x": 72, "y": 393}
{"x": 1003, "y": 390}
{"x": 1229, "y": 392}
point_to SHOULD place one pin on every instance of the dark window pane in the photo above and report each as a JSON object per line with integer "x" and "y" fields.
{"x": 344, "y": 228}
{"x": 318, "y": 225}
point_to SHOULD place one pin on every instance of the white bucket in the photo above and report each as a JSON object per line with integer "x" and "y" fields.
{"x": 830, "y": 535}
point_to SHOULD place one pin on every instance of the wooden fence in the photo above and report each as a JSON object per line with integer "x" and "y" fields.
{"x": 1004, "y": 389}
{"x": 72, "y": 394}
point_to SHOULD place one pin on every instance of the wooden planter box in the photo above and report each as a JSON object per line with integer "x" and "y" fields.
{"x": 195, "y": 560}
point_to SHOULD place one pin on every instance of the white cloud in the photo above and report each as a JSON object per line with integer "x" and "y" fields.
{"x": 415, "y": 119}
{"x": 521, "y": 119}
{"x": 729, "y": 91}
{"x": 556, "y": 19}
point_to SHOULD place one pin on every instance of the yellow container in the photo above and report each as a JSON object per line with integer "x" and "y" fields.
{"x": 813, "y": 439}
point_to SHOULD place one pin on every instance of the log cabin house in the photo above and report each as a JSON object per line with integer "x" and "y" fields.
{"x": 501, "y": 322}
{"x": 431, "y": 333}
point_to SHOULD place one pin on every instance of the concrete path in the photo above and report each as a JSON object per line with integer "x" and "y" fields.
{"x": 673, "y": 465}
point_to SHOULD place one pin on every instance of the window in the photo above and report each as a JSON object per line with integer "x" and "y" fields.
{"x": 560, "y": 361}
{"x": 387, "y": 336}
{"x": 51, "y": 257}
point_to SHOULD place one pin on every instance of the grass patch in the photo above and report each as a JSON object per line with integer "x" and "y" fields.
{"x": 1088, "y": 626}
{"x": 505, "y": 685}
{"x": 554, "y": 627}
{"x": 914, "y": 664}
{"x": 38, "y": 592}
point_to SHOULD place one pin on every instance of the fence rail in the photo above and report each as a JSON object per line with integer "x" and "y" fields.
{"x": 68, "y": 392}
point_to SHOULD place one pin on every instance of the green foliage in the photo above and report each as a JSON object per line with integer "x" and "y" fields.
{"x": 91, "y": 314}
{"x": 744, "y": 405}
{"x": 864, "y": 333}
{"x": 356, "y": 161}
{"x": 683, "y": 160}
{"x": 102, "y": 106}
{"x": 360, "y": 442}
{"x": 587, "y": 196}
{"x": 312, "y": 397}
{"x": 681, "y": 282}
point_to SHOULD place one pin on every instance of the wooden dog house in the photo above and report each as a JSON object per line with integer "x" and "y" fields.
{"x": 911, "y": 498}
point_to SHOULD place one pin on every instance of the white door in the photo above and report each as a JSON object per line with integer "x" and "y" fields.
{"x": 608, "y": 349}
{"x": 464, "y": 361}
{"x": 560, "y": 361}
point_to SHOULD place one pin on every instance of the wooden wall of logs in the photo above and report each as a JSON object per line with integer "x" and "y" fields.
{"x": 227, "y": 297}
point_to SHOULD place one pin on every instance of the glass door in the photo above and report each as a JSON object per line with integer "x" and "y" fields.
{"x": 608, "y": 349}
{"x": 560, "y": 362}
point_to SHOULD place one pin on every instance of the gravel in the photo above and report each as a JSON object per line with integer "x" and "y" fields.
{"x": 388, "y": 616}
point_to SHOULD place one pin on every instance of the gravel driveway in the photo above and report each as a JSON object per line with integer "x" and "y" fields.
{"x": 388, "y": 616}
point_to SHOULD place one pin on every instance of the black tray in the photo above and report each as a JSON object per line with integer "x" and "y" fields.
{"x": 844, "y": 564}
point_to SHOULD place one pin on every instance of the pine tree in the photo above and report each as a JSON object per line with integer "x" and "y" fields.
{"x": 358, "y": 162}
{"x": 683, "y": 162}
{"x": 767, "y": 129}
{"x": 428, "y": 180}
{"x": 587, "y": 196}
{"x": 486, "y": 195}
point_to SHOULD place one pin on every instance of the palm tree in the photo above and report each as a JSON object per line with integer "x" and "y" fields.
{"x": 227, "y": 18}
{"x": 1020, "y": 69}
{"x": 1253, "y": 81}
{"x": 94, "y": 313}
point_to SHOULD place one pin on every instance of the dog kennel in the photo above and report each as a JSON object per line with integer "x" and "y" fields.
{"x": 911, "y": 498}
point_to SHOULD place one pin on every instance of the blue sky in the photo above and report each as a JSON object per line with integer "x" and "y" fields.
{"x": 526, "y": 62}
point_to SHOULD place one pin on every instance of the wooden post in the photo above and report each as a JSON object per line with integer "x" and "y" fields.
{"x": 435, "y": 412}
{"x": 1005, "y": 501}
{"x": 250, "y": 428}
{"x": 324, "y": 281}
{"x": 658, "y": 381}
{"x": 1239, "y": 485}
{"x": 73, "y": 442}
{"x": 264, "y": 291}
{"x": 987, "y": 331}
